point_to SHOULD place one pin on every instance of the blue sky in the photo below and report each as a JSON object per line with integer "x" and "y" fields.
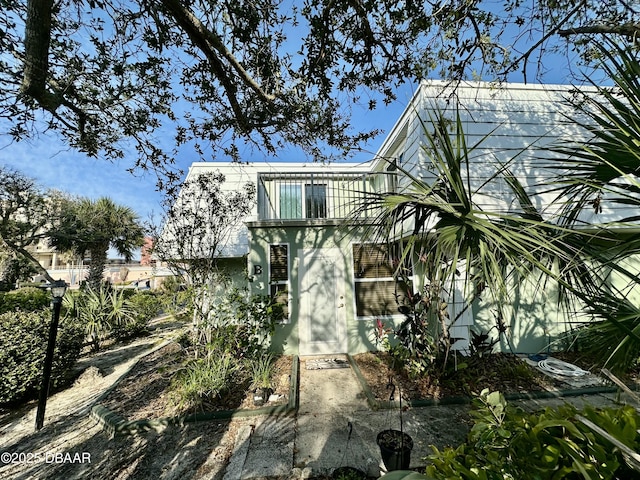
{"x": 54, "y": 165}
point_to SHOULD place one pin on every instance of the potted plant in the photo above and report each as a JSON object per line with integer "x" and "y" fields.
{"x": 395, "y": 445}
{"x": 262, "y": 371}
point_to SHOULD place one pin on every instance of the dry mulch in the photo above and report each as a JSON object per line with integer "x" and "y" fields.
{"x": 146, "y": 392}
{"x": 497, "y": 372}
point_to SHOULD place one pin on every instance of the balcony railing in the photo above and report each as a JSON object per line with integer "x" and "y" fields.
{"x": 315, "y": 195}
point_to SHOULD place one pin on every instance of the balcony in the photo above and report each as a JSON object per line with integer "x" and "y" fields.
{"x": 315, "y": 196}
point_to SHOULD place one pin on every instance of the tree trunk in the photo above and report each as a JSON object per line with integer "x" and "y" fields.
{"x": 96, "y": 268}
{"x": 37, "y": 37}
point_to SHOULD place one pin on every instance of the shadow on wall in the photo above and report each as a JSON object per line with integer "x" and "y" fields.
{"x": 532, "y": 319}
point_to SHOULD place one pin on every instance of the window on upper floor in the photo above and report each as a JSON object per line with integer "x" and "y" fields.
{"x": 290, "y": 201}
{"x": 392, "y": 176}
{"x": 315, "y": 200}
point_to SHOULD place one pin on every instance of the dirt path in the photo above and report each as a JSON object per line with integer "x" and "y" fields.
{"x": 73, "y": 445}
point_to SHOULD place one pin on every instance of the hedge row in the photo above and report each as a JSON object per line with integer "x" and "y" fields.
{"x": 23, "y": 344}
{"x": 25, "y": 299}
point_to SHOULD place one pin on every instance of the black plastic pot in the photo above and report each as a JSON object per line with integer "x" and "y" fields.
{"x": 395, "y": 448}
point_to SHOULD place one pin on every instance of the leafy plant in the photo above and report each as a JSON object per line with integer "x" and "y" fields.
{"x": 404, "y": 475}
{"x": 416, "y": 345}
{"x": 240, "y": 323}
{"x": 262, "y": 371}
{"x": 205, "y": 380}
{"x": 100, "y": 311}
{"x": 24, "y": 336}
{"x": 507, "y": 443}
{"x": 176, "y": 297}
{"x": 144, "y": 306}
{"x": 456, "y": 239}
{"x": 348, "y": 473}
{"x": 26, "y": 299}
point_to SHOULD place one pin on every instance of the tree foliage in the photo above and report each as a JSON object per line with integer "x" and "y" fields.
{"x": 603, "y": 175}
{"x": 200, "y": 221}
{"x": 28, "y": 215}
{"x": 114, "y": 75}
{"x": 94, "y": 226}
{"x": 196, "y": 229}
{"x": 591, "y": 260}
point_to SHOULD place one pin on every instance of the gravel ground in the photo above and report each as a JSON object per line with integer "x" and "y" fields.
{"x": 73, "y": 445}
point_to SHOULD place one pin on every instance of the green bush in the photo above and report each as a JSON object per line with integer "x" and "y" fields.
{"x": 100, "y": 311}
{"x": 507, "y": 443}
{"x": 23, "y": 336}
{"x": 240, "y": 323}
{"x": 27, "y": 299}
{"x": 206, "y": 379}
{"x": 144, "y": 306}
{"x": 177, "y": 298}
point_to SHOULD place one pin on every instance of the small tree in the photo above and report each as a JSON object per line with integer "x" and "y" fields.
{"x": 455, "y": 238}
{"x": 93, "y": 226}
{"x": 198, "y": 224}
{"x": 28, "y": 215}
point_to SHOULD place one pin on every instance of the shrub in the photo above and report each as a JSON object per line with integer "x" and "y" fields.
{"x": 506, "y": 442}
{"x": 100, "y": 311}
{"x": 27, "y": 299}
{"x": 177, "y": 298}
{"x": 206, "y": 379}
{"x": 24, "y": 336}
{"x": 241, "y": 324}
{"x": 143, "y": 307}
{"x": 262, "y": 371}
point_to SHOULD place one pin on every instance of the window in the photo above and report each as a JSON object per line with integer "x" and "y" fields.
{"x": 376, "y": 291}
{"x": 315, "y": 200}
{"x": 392, "y": 176}
{"x": 290, "y": 201}
{"x": 279, "y": 275}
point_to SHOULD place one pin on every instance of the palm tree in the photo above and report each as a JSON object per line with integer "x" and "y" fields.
{"x": 94, "y": 226}
{"x": 442, "y": 225}
{"x": 605, "y": 172}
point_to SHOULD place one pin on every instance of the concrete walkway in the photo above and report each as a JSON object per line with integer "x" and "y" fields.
{"x": 335, "y": 427}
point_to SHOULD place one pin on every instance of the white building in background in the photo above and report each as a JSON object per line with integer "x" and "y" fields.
{"x": 335, "y": 284}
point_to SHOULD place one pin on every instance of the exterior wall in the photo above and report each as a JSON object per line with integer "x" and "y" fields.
{"x": 534, "y": 319}
{"x": 238, "y": 174}
{"x": 360, "y": 332}
{"x": 508, "y": 124}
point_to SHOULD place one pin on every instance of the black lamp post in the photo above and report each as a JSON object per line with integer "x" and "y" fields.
{"x": 58, "y": 289}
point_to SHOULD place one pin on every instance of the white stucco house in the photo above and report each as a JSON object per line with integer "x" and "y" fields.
{"x": 336, "y": 283}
